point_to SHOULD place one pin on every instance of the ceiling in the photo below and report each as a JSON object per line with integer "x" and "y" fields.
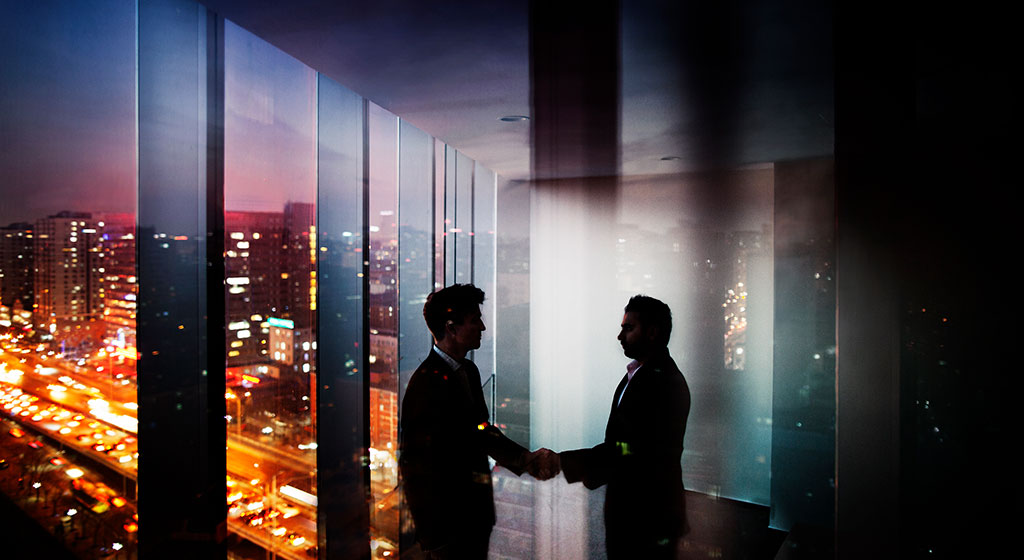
{"x": 731, "y": 84}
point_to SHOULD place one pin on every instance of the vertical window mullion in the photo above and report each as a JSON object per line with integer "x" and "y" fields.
{"x": 180, "y": 256}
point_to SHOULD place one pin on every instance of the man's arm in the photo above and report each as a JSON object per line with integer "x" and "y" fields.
{"x": 541, "y": 464}
{"x": 589, "y": 466}
{"x": 505, "y": 452}
{"x": 420, "y": 463}
{"x": 649, "y": 427}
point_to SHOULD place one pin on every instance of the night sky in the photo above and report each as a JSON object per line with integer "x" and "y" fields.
{"x": 68, "y": 117}
{"x": 67, "y": 108}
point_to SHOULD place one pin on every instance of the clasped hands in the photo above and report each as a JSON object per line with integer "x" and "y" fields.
{"x": 543, "y": 464}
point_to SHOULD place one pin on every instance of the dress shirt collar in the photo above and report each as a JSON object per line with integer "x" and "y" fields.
{"x": 631, "y": 368}
{"x": 455, "y": 364}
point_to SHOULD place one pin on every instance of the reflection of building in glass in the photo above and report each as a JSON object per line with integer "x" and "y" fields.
{"x": 271, "y": 299}
{"x": 383, "y": 389}
{"x": 16, "y": 266}
{"x": 69, "y": 291}
{"x": 742, "y": 246}
{"x": 299, "y": 259}
{"x": 270, "y": 273}
{"x": 117, "y": 268}
{"x": 383, "y": 320}
{"x": 282, "y": 341}
{"x": 384, "y": 420}
{"x": 255, "y": 274}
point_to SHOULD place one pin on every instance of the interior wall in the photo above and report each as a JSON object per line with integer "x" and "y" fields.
{"x": 701, "y": 242}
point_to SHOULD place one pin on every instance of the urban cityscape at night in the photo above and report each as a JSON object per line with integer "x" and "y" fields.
{"x": 69, "y": 377}
{"x": 221, "y": 222}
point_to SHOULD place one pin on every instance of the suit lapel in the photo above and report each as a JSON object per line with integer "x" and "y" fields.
{"x": 619, "y": 390}
{"x": 464, "y": 386}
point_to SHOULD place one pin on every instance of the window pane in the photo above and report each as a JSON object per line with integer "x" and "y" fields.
{"x": 440, "y": 205}
{"x": 416, "y": 247}
{"x": 513, "y": 496}
{"x": 804, "y": 388}
{"x": 483, "y": 239}
{"x": 463, "y": 222}
{"x": 340, "y": 408}
{"x": 68, "y": 288}
{"x": 450, "y": 199}
{"x": 416, "y": 260}
{"x": 383, "y": 306}
{"x": 270, "y": 270}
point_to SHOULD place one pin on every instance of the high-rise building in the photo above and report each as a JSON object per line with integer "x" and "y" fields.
{"x": 69, "y": 293}
{"x": 256, "y": 276}
{"x": 299, "y": 259}
{"x": 118, "y": 270}
{"x": 271, "y": 281}
{"x": 16, "y": 266}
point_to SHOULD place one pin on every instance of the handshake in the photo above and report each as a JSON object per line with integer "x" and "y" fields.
{"x": 543, "y": 464}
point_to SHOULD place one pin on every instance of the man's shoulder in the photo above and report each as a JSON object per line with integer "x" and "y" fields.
{"x": 663, "y": 362}
{"x": 432, "y": 365}
{"x": 667, "y": 369}
{"x": 433, "y": 361}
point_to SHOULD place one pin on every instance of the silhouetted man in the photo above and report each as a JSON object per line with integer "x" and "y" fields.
{"x": 446, "y": 436}
{"x": 639, "y": 460}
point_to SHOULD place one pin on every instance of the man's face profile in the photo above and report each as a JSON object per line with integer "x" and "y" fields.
{"x": 633, "y": 336}
{"x": 468, "y": 333}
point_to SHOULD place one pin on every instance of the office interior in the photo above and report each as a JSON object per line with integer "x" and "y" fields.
{"x": 252, "y": 199}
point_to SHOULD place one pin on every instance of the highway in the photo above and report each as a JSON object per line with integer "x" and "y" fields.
{"x": 270, "y": 489}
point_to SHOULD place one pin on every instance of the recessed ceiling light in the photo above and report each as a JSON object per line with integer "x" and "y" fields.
{"x": 513, "y": 118}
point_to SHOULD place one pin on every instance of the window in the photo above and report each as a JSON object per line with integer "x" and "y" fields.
{"x": 68, "y": 342}
{"x": 197, "y": 214}
{"x": 270, "y": 186}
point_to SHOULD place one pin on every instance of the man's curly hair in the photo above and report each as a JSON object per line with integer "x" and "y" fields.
{"x": 451, "y": 303}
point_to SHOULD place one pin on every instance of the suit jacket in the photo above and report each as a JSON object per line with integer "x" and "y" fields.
{"x": 444, "y": 443}
{"x": 639, "y": 458}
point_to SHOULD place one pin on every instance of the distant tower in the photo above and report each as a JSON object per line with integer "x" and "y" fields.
{"x": 118, "y": 272}
{"x": 256, "y": 276}
{"x": 68, "y": 284}
{"x": 17, "y": 266}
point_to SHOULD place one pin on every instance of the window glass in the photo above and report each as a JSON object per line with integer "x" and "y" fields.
{"x": 383, "y": 325}
{"x": 803, "y": 384}
{"x": 340, "y": 403}
{"x": 416, "y": 245}
{"x": 450, "y": 231}
{"x": 483, "y": 239}
{"x": 68, "y": 273}
{"x": 462, "y": 213}
{"x": 418, "y": 257}
{"x": 270, "y": 253}
{"x": 513, "y": 496}
{"x": 440, "y": 205}
{"x": 338, "y": 220}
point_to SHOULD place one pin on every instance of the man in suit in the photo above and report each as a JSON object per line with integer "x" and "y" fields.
{"x": 446, "y": 437}
{"x": 639, "y": 459}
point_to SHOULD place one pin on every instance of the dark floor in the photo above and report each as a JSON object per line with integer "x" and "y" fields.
{"x": 730, "y": 530}
{"x": 720, "y": 528}
{"x": 25, "y": 538}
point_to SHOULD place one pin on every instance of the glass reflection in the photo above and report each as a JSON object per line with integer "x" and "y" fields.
{"x": 270, "y": 282}
{"x": 383, "y": 326}
{"x": 68, "y": 289}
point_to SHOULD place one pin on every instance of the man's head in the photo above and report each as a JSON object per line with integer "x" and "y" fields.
{"x": 453, "y": 317}
{"x": 646, "y": 327}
